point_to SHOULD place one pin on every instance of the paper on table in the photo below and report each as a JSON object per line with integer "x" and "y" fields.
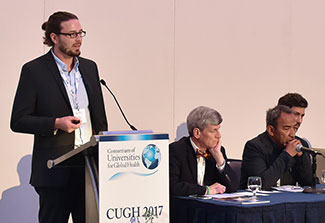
{"x": 289, "y": 188}
{"x": 240, "y": 197}
{"x": 255, "y": 202}
{"x": 268, "y": 191}
{"x": 231, "y": 195}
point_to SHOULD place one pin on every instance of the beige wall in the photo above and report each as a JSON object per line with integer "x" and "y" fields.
{"x": 162, "y": 58}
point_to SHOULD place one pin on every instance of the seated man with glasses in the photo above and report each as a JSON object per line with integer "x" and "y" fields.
{"x": 198, "y": 163}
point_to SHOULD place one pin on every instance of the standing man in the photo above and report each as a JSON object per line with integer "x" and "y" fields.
{"x": 198, "y": 163}
{"x": 59, "y": 101}
{"x": 272, "y": 155}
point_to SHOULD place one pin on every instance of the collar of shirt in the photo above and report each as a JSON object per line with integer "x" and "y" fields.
{"x": 62, "y": 65}
{"x": 275, "y": 147}
{"x": 193, "y": 145}
{"x": 196, "y": 149}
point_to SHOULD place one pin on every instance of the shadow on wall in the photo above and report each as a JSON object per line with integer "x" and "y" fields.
{"x": 181, "y": 131}
{"x": 20, "y": 203}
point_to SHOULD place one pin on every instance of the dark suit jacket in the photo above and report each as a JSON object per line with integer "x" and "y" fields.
{"x": 261, "y": 157}
{"x": 41, "y": 98}
{"x": 183, "y": 171}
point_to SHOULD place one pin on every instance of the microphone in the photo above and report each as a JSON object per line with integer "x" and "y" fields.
{"x": 301, "y": 148}
{"x": 131, "y": 126}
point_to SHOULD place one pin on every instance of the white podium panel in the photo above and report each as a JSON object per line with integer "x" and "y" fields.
{"x": 133, "y": 178}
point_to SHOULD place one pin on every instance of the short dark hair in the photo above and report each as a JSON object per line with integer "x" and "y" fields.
{"x": 293, "y": 100}
{"x": 200, "y": 117}
{"x": 53, "y": 25}
{"x": 273, "y": 114}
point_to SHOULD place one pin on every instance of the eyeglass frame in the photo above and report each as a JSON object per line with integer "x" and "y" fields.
{"x": 74, "y": 35}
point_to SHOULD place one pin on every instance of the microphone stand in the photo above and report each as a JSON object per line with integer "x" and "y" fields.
{"x": 313, "y": 189}
{"x": 118, "y": 105}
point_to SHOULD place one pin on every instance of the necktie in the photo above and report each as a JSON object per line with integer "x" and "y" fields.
{"x": 205, "y": 154}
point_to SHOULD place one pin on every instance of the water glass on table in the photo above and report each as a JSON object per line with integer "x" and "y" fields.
{"x": 254, "y": 183}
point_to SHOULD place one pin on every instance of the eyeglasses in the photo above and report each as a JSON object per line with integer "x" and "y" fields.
{"x": 74, "y": 35}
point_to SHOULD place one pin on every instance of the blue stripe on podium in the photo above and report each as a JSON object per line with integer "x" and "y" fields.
{"x": 133, "y": 137}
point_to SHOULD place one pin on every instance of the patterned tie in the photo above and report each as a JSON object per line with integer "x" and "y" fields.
{"x": 205, "y": 154}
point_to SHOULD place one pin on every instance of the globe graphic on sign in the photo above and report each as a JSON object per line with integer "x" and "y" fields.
{"x": 151, "y": 156}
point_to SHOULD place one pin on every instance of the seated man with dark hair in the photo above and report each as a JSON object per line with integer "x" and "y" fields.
{"x": 198, "y": 163}
{"x": 273, "y": 156}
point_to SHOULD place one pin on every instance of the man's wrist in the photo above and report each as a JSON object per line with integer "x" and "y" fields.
{"x": 221, "y": 167}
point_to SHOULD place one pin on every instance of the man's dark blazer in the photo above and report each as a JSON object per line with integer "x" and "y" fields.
{"x": 261, "y": 157}
{"x": 41, "y": 97}
{"x": 183, "y": 171}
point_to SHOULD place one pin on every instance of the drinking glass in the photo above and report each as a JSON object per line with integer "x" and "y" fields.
{"x": 254, "y": 183}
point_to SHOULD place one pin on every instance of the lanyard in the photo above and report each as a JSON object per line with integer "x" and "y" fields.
{"x": 72, "y": 90}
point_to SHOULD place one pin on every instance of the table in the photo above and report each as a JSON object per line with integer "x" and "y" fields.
{"x": 289, "y": 207}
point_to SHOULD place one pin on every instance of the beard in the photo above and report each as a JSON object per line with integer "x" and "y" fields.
{"x": 69, "y": 52}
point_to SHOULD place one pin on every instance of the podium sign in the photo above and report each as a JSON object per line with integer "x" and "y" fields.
{"x": 133, "y": 178}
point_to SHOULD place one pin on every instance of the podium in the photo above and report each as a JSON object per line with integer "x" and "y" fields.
{"x": 131, "y": 181}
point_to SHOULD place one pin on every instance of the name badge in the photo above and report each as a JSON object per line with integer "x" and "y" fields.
{"x": 81, "y": 114}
